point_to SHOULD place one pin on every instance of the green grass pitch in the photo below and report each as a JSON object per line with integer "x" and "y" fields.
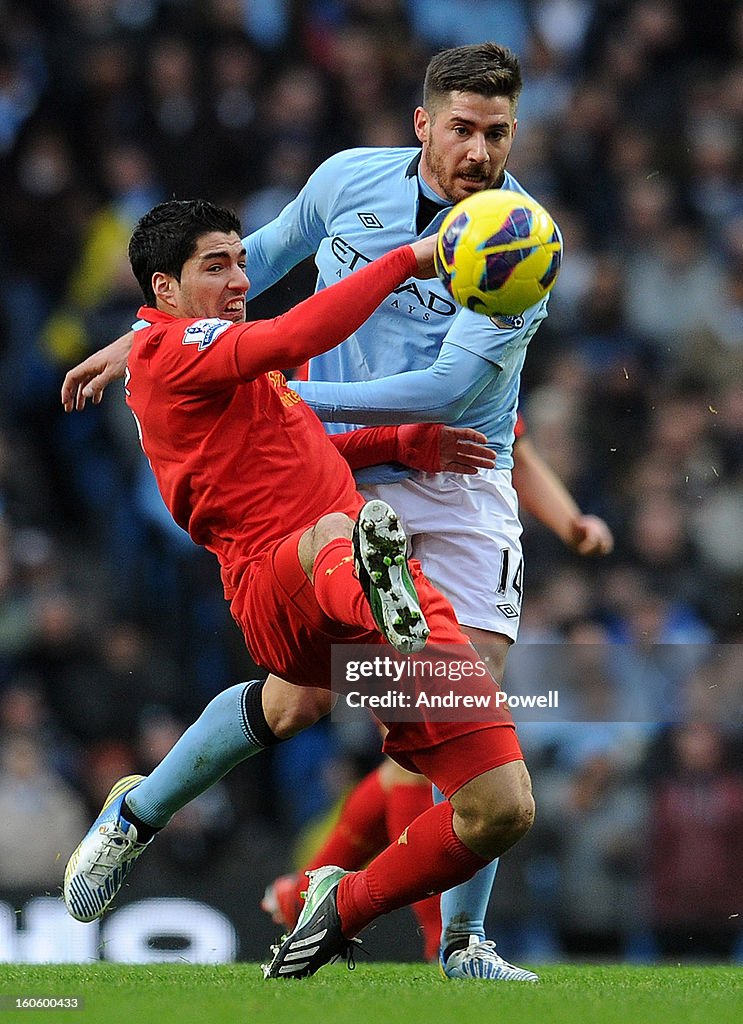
{"x": 375, "y": 993}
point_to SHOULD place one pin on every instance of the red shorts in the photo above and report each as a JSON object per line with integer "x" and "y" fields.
{"x": 455, "y": 758}
{"x": 288, "y": 633}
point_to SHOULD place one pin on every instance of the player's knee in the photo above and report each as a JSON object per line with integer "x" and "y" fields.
{"x": 495, "y": 810}
{"x": 325, "y": 530}
{"x": 493, "y": 829}
{"x": 289, "y": 709}
{"x": 301, "y": 714}
{"x": 515, "y": 817}
{"x": 330, "y": 527}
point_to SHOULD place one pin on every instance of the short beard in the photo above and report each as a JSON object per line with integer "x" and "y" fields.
{"x": 436, "y": 170}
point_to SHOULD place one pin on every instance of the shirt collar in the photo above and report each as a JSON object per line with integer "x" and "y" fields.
{"x": 152, "y": 315}
{"x": 414, "y": 170}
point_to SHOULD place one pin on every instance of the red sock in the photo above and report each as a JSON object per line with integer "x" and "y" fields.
{"x": 427, "y": 858}
{"x": 337, "y": 588}
{"x": 405, "y": 802}
{"x": 359, "y": 833}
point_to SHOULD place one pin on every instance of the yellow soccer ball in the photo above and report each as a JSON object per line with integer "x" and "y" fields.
{"x": 498, "y": 252}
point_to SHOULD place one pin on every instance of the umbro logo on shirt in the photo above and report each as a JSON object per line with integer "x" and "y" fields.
{"x": 508, "y": 610}
{"x": 370, "y": 220}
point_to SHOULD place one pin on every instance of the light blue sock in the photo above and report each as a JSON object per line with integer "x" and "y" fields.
{"x": 463, "y": 908}
{"x": 229, "y": 731}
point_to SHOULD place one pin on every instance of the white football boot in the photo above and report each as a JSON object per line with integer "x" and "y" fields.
{"x": 479, "y": 959}
{"x": 96, "y": 870}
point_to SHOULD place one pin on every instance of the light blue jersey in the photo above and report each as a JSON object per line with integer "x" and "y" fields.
{"x": 420, "y": 357}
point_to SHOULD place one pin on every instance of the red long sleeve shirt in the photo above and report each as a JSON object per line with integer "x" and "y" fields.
{"x": 240, "y": 460}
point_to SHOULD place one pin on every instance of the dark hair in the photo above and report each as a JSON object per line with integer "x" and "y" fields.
{"x": 483, "y": 68}
{"x": 167, "y": 236}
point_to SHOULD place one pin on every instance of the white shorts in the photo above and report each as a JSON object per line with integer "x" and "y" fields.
{"x": 465, "y": 531}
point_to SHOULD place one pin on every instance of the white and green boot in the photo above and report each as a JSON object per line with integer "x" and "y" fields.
{"x": 317, "y": 938}
{"x": 380, "y": 558}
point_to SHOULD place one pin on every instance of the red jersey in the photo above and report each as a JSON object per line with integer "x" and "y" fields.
{"x": 239, "y": 458}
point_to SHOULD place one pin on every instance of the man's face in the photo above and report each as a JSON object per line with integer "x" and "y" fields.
{"x": 466, "y": 142}
{"x": 213, "y": 281}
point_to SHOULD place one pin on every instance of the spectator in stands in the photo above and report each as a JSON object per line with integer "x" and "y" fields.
{"x": 695, "y": 848}
{"x": 42, "y": 816}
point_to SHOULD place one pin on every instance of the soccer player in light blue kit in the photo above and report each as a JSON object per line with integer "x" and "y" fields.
{"x": 420, "y": 358}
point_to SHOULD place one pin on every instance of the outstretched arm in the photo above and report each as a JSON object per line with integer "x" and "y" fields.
{"x": 90, "y": 378}
{"x": 314, "y": 326}
{"x": 543, "y": 495}
{"x": 329, "y": 316}
{"x": 438, "y": 394}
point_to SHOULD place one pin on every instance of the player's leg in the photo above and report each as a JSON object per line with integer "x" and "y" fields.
{"x": 478, "y": 766}
{"x": 360, "y": 575}
{"x": 408, "y": 795}
{"x": 234, "y": 726}
{"x": 464, "y": 949}
{"x": 440, "y": 848}
{"x": 448, "y": 842}
{"x": 375, "y": 813}
{"x": 359, "y": 833}
{"x": 466, "y": 535}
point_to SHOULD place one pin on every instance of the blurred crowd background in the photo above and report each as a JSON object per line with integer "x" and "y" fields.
{"x": 113, "y": 630}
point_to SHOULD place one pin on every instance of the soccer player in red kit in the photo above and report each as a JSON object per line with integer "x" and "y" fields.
{"x": 379, "y": 807}
{"x": 247, "y": 469}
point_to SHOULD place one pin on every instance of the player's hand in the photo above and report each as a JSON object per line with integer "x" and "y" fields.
{"x": 424, "y": 249}
{"x": 89, "y": 379}
{"x": 591, "y": 536}
{"x": 433, "y": 448}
